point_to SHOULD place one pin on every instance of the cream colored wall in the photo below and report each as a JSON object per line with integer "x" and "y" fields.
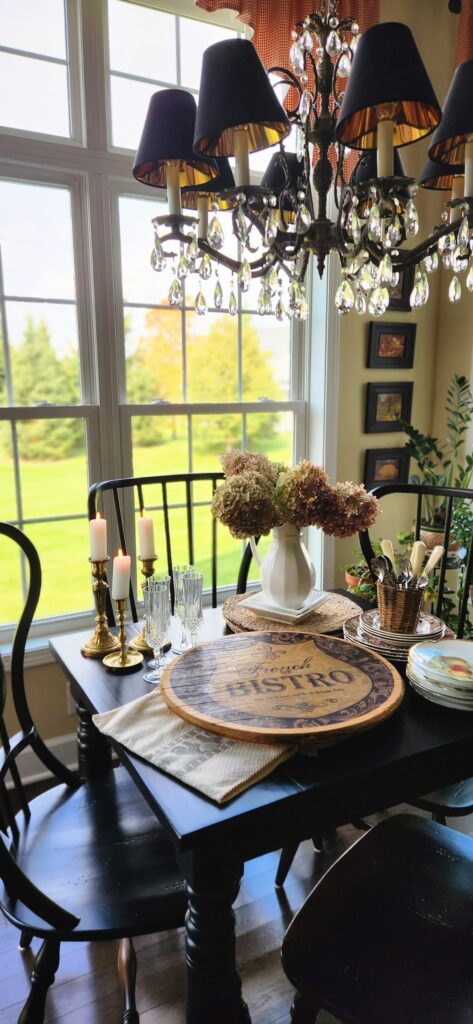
{"x": 46, "y": 691}
{"x": 438, "y": 350}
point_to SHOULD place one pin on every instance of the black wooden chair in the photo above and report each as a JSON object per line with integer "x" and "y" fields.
{"x": 387, "y": 933}
{"x": 177, "y": 498}
{"x": 83, "y": 861}
{"x": 455, "y": 800}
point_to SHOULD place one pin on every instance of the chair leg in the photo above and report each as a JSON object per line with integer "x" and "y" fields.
{"x": 127, "y": 975}
{"x": 287, "y": 856}
{"x": 44, "y": 970}
{"x": 439, "y": 817}
{"x": 318, "y": 842}
{"x": 304, "y": 1009}
{"x": 25, "y": 940}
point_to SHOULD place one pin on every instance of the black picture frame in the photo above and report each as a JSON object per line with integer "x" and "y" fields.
{"x": 400, "y": 298}
{"x": 386, "y": 404}
{"x": 402, "y": 338}
{"x": 386, "y": 466}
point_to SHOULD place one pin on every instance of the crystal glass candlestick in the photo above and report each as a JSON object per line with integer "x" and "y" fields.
{"x": 124, "y": 660}
{"x": 139, "y": 643}
{"x": 102, "y": 641}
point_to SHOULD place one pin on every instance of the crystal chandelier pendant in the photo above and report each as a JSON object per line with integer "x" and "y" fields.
{"x": 272, "y": 281}
{"x": 269, "y": 225}
{"x": 232, "y": 302}
{"x": 205, "y": 269}
{"x": 354, "y": 226}
{"x": 215, "y": 235}
{"x": 240, "y": 225}
{"x": 374, "y": 224}
{"x": 158, "y": 256}
{"x": 265, "y": 304}
{"x": 305, "y": 105}
{"x": 334, "y": 44}
{"x": 244, "y": 276}
{"x": 182, "y": 267}
{"x": 176, "y": 294}
{"x": 303, "y": 219}
{"x": 386, "y": 270}
{"x": 293, "y": 296}
{"x": 463, "y": 237}
{"x": 360, "y": 302}
{"x": 192, "y": 253}
{"x": 344, "y": 66}
{"x": 301, "y": 311}
{"x": 280, "y": 309}
{"x": 431, "y": 262}
{"x": 364, "y": 280}
{"x": 455, "y": 290}
{"x": 393, "y": 233}
{"x": 344, "y": 298}
{"x": 411, "y": 219}
{"x": 296, "y": 58}
{"x": 306, "y": 40}
{"x": 420, "y": 292}
{"x": 218, "y": 293}
{"x": 469, "y": 277}
{"x": 379, "y": 301}
{"x": 459, "y": 263}
{"x": 200, "y": 304}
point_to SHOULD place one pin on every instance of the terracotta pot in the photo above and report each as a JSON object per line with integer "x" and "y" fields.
{"x": 351, "y": 581}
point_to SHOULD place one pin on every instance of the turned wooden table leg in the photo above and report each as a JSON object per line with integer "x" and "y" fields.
{"x": 44, "y": 970}
{"x": 213, "y": 983}
{"x": 95, "y": 754}
{"x": 127, "y": 975}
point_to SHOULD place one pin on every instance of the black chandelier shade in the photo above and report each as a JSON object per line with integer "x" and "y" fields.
{"x": 388, "y": 81}
{"x": 440, "y": 176}
{"x": 212, "y": 188}
{"x": 235, "y": 92}
{"x": 284, "y": 173}
{"x": 448, "y": 141}
{"x": 168, "y": 138}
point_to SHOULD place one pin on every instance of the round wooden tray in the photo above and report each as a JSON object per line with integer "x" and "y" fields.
{"x": 283, "y": 685}
{"x": 327, "y": 619}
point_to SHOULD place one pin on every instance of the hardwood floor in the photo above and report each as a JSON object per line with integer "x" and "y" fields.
{"x": 86, "y": 989}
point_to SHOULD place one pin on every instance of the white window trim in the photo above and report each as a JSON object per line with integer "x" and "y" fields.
{"x": 96, "y": 174}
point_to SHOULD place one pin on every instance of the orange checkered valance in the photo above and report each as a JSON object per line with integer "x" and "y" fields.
{"x": 274, "y": 20}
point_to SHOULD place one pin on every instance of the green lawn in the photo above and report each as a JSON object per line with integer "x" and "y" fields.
{"x": 60, "y": 488}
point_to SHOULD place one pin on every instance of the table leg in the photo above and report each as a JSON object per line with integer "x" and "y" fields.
{"x": 95, "y": 754}
{"x": 213, "y": 983}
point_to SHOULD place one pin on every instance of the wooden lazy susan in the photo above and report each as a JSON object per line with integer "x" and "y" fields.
{"x": 274, "y": 686}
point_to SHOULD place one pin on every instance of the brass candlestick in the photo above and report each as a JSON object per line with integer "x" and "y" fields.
{"x": 124, "y": 661}
{"x": 102, "y": 641}
{"x": 139, "y": 643}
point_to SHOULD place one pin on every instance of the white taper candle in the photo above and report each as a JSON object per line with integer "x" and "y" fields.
{"x": 121, "y": 576}
{"x": 98, "y": 538}
{"x": 146, "y": 536}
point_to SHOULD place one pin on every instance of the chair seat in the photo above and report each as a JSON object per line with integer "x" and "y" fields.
{"x": 100, "y": 852}
{"x": 387, "y": 934}
{"x": 454, "y": 800}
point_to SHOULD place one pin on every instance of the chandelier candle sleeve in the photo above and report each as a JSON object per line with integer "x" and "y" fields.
{"x": 468, "y": 187}
{"x": 242, "y": 163}
{"x": 146, "y": 537}
{"x": 385, "y": 149}
{"x": 98, "y": 539}
{"x": 121, "y": 576}
{"x": 173, "y": 190}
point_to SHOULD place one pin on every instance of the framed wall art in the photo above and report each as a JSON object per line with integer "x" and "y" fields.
{"x": 385, "y": 405}
{"x": 391, "y": 346}
{"x": 399, "y": 298}
{"x": 386, "y": 466}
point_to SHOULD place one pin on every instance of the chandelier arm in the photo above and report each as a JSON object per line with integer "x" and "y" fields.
{"x": 410, "y": 257}
{"x": 258, "y": 267}
{"x": 294, "y": 81}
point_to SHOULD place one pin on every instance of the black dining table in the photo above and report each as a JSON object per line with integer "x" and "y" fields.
{"x": 421, "y": 747}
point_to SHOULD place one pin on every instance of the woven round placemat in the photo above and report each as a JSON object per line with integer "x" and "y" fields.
{"x": 326, "y": 619}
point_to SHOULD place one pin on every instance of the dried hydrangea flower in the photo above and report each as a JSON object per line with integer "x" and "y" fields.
{"x": 245, "y": 503}
{"x": 235, "y": 461}
{"x": 301, "y": 494}
{"x": 349, "y": 509}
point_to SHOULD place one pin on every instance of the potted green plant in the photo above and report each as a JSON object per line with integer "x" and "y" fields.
{"x": 444, "y": 463}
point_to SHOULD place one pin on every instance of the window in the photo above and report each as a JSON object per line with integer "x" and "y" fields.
{"x": 99, "y": 377}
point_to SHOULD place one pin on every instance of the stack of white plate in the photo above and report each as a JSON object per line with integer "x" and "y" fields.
{"x": 443, "y": 672}
{"x": 366, "y": 629}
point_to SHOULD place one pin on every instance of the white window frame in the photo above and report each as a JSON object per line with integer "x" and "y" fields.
{"x": 97, "y": 174}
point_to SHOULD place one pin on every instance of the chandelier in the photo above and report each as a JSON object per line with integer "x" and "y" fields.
{"x": 352, "y": 92}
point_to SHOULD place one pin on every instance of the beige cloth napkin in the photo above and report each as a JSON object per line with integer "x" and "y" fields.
{"x": 217, "y": 766}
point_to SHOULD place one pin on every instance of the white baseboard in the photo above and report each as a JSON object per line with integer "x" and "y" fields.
{"x": 33, "y": 770}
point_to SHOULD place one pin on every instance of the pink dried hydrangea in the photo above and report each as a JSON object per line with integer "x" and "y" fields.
{"x": 348, "y": 510}
{"x": 302, "y": 494}
{"x": 245, "y": 503}
{"x": 235, "y": 462}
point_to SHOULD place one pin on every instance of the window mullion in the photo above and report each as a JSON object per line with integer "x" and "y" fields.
{"x": 96, "y": 79}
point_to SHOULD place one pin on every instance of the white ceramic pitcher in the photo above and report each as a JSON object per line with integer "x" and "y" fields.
{"x": 287, "y": 573}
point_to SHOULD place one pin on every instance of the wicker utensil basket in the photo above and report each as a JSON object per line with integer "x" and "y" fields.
{"x": 399, "y": 609}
